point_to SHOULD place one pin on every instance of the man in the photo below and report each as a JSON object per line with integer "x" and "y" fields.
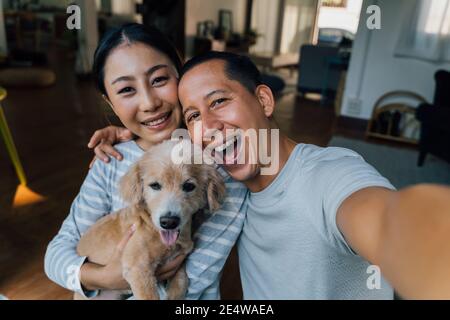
{"x": 310, "y": 227}
{"x": 315, "y": 226}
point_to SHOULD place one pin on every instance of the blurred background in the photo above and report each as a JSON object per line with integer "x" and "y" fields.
{"x": 369, "y": 75}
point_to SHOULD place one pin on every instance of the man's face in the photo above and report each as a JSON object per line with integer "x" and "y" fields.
{"x": 219, "y": 104}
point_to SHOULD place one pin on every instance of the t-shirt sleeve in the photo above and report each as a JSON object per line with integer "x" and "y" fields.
{"x": 340, "y": 178}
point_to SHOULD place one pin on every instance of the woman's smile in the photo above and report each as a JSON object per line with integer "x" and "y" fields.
{"x": 158, "y": 122}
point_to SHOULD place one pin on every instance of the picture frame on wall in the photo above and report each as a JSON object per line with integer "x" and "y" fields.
{"x": 334, "y": 3}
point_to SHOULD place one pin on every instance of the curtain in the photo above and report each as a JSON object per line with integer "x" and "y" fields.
{"x": 426, "y": 31}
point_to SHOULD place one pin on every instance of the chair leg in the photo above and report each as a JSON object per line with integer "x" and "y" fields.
{"x": 422, "y": 156}
{"x": 6, "y": 133}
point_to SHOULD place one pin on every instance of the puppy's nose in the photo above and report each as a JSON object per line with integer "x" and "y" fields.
{"x": 168, "y": 222}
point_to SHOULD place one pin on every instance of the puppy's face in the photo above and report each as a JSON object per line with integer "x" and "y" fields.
{"x": 171, "y": 193}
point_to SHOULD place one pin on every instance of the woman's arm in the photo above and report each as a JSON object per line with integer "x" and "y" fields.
{"x": 62, "y": 262}
{"x": 98, "y": 277}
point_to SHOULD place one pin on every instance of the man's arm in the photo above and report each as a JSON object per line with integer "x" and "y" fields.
{"x": 406, "y": 233}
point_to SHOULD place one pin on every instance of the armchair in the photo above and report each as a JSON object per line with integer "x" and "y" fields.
{"x": 435, "y": 121}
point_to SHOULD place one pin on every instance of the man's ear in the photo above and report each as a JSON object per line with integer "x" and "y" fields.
{"x": 266, "y": 99}
{"x": 131, "y": 186}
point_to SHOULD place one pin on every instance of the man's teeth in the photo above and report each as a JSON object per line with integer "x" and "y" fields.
{"x": 157, "y": 121}
{"x": 226, "y": 145}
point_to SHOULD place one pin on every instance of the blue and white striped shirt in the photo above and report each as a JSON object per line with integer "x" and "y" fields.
{"x": 99, "y": 196}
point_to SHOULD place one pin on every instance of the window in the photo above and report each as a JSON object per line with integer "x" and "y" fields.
{"x": 426, "y": 32}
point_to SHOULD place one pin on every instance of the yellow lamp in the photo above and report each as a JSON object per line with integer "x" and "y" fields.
{"x": 24, "y": 195}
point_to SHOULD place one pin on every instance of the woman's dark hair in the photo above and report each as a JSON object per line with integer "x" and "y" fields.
{"x": 132, "y": 33}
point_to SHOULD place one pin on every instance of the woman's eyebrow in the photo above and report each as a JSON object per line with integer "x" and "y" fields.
{"x": 148, "y": 72}
{"x": 155, "y": 68}
{"x": 123, "y": 78}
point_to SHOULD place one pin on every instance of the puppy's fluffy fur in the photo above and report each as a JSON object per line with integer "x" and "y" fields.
{"x": 148, "y": 203}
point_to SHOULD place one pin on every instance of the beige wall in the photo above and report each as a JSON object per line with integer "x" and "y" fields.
{"x": 201, "y": 10}
{"x": 265, "y": 21}
{"x": 298, "y": 24}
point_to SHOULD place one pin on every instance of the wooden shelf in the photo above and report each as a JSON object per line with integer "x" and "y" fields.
{"x": 404, "y": 109}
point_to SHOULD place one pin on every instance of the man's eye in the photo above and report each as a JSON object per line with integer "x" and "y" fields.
{"x": 192, "y": 116}
{"x": 126, "y": 90}
{"x": 159, "y": 80}
{"x": 155, "y": 186}
{"x": 218, "y": 101}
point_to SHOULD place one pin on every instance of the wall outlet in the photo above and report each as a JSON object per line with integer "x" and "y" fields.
{"x": 354, "y": 106}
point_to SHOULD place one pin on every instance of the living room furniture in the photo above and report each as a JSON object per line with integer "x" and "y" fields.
{"x": 316, "y": 71}
{"x": 435, "y": 120}
{"x": 31, "y": 77}
{"x": 26, "y": 25}
{"x": 270, "y": 61}
{"x": 393, "y": 117}
{"x": 333, "y": 63}
{"x": 10, "y": 146}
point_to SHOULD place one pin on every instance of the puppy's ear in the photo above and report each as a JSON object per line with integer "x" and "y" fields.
{"x": 216, "y": 189}
{"x": 131, "y": 186}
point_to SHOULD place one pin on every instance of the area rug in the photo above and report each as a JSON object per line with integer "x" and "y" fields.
{"x": 397, "y": 164}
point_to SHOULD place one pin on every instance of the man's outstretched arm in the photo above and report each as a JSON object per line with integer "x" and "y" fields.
{"x": 406, "y": 233}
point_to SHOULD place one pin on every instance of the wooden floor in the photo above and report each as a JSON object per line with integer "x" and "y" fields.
{"x": 51, "y": 128}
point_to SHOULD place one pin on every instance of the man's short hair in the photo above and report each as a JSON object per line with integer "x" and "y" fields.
{"x": 237, "y": 67}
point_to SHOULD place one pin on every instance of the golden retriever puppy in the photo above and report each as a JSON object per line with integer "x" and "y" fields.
{"x": 162, "y": 198}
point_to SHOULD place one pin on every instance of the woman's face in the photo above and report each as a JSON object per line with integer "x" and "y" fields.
{"x": 141, "y": 84}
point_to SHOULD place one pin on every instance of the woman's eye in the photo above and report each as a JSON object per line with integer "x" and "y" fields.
{"x": 126, "y": 90}
{"x": 155, "y": 186}
{"x": 159, "y": 80}
{"x": 192, "y": 116}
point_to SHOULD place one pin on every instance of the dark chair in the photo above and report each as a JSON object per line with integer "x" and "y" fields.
{"x": 435, "y": 121}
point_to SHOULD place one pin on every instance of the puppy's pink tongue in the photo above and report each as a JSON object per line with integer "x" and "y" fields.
{"x": 169, "y": 237}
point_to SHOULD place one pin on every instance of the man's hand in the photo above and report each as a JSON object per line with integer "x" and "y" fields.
{"x": 102, "y": 142}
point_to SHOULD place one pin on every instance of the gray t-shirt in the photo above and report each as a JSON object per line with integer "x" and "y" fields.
{"x": 290, "y": 246}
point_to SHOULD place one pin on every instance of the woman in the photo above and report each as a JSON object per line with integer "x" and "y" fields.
{"x": 137, "y": 70}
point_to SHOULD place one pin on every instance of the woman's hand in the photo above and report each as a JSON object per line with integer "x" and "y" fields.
{"x": 102, "y": 142}
{"x": 109, "y": 276}
{"x": 113, "y": 272}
